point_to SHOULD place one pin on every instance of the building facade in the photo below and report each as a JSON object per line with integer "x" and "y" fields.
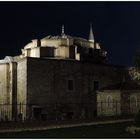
{"x": 64, "y": 77}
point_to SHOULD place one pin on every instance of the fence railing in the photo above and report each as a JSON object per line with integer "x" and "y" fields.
{"x": 117, "y": 108}
{"x": 9, "y": 112}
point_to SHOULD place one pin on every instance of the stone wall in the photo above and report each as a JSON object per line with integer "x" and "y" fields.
{"x": 43, "y": 91}
{"x": 21, "y": 89}
{"x": 12, "y": 74}
{"x": 5, "y": 94}
{"x": 47, "y": 88}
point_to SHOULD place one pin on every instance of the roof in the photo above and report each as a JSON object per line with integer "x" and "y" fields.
{"x": 66, "y": 36}
{"x": 56, "y": 37}
{"x": 123, "y": 86}
{"x": 9, "y": 59}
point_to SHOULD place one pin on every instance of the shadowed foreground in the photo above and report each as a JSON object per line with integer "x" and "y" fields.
{"x": 96, "y": 131}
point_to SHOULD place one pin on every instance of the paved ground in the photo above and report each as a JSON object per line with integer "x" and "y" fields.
{"x": 32, "y": 126}
{"x": 112, "y": 130}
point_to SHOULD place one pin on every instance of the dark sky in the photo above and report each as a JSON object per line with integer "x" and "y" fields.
{"x": 116, "y": 25}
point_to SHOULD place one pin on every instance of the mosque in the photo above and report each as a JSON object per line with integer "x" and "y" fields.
{"x": 65, "y": 77}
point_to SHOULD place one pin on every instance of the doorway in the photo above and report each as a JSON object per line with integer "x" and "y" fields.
{"x": 37, "y": 113}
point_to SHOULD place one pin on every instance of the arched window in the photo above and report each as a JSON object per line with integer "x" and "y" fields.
{"x": 133, "y": 103}
{"x": 99, "y": 105}
{"x": 99, "y": 100}
{"x": 109, "y": 101}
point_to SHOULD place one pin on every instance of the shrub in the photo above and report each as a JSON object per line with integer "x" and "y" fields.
{"x": 137, "y": 119}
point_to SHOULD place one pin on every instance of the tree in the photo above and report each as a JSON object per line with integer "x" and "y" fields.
{"x": 137, "y": 119}
{"x": 137, "y": 59}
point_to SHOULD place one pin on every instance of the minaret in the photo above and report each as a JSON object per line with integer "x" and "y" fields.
{"x": 91, "y": 36}
{"x": 63, "y": 32}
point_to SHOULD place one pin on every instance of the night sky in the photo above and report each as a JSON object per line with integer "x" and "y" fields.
{"x": 116, "y": 25}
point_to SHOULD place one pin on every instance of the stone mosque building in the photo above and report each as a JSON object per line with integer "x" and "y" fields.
{"x": 65, "y": 77}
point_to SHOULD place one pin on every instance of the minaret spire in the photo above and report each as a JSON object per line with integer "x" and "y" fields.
{"x": 91, "y": 36}
{"x": 63, "y": 31}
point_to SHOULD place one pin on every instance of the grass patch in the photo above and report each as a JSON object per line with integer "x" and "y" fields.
{"x": 95, "y": 131}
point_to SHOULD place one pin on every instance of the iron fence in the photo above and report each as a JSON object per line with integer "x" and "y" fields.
{"x": 12, "y": 112}
{"x": 117, "y": 108}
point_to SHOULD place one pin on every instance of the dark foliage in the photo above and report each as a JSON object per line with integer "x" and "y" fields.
{"x": 137, "y": 119}
{"x": 137, "y": 59}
